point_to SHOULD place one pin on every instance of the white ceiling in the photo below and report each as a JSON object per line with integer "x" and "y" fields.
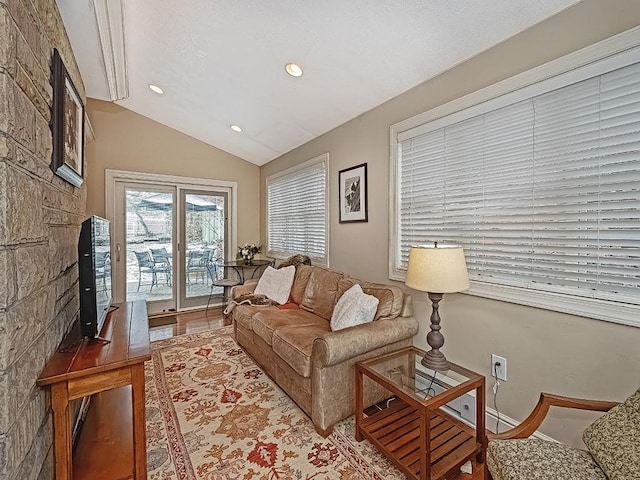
{"x": 221, "y": 62}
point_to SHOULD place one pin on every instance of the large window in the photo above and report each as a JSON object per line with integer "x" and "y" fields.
{"x": 541, "y": 186}
{"x": 297, "y": 211}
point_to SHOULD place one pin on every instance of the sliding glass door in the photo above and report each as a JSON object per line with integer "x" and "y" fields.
{"x": 204, "y": 238}
{"x": 144, "y": 242}
{"x": 168, "y": 243}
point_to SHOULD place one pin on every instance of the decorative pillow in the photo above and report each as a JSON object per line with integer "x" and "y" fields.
{"x": 353, "y": 308}
{"x": 276, "y": 284}
{"x": 614, "y": 440}
{"x": 390, "y": 298}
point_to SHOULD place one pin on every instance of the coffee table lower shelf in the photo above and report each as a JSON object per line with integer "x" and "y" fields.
{"x": 396, "y": 432}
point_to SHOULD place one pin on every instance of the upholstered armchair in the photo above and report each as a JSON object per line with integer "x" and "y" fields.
{"x": 613, "y": 445}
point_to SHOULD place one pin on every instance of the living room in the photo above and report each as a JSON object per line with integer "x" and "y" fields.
{"x": 547, "y": 350}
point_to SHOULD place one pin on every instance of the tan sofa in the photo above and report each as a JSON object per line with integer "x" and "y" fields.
{"x": 296, "y": 347}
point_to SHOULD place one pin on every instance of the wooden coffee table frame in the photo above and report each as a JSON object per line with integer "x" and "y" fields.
{"x": 425, "y": 442}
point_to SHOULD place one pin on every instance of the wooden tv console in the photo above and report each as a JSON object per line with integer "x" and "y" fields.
{"x": 94, "y": 366}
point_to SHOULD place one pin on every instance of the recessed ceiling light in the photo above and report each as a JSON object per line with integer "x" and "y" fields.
{"x": 156, "y": 88}
{"x": 293, "y": 69}
{"x": 236, "y": 128}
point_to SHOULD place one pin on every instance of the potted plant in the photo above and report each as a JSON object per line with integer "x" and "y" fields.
{"x": 248, "y": 251}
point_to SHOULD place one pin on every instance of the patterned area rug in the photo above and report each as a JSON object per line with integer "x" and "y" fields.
{"x": 213, "y": 414}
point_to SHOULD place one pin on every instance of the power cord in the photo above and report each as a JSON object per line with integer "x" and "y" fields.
{"x": 429, "y": 389}
{"x": 496, "y": 386}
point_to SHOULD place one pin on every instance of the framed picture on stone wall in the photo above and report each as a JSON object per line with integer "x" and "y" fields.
{"x": 353, "y": 194}
{"x": 67, "y": 125}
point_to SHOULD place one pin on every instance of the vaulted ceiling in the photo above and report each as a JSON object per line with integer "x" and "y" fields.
{"x": 221, "y": 62}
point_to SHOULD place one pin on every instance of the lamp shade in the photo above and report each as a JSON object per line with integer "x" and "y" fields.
{"x": 437, "y": 269}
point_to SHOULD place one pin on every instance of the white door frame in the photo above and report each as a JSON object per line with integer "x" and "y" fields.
{"x": 112, "y": 176}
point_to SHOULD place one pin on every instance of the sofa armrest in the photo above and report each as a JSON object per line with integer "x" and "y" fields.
{"x": 336, "y": 347}
{"x": 247, "y": 287}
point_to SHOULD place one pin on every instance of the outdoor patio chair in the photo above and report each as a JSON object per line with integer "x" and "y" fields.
{"x": 218, "y": 280}
{"x": 197, "y": 263}
{"x": 103, "y": 268}
{"x": 146, "y": 265}
{"x": 162, "y": 262}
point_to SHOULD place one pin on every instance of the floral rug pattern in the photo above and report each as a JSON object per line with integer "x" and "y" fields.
{"x": 213, "y": 414}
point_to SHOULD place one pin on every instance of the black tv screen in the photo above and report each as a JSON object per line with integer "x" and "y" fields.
{"x": 94, "y": 265}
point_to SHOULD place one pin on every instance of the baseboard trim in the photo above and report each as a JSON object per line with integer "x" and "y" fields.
{"x": 506, "y": 423}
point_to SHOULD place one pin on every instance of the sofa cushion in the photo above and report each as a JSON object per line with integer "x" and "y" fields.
{"x": 268, "y": 320}
{"x": 276, "y": 284}
{"x": 614, "y": 440}
{"x": 534, "y": 459}
{"x": 353, "y": 308}
{"x": 320, "y": 294}
{"x": 243, "y": 315}
{"x": 303, "y": 272}
{"x": 390, "y": 298}
{"x": 294, "y": 345}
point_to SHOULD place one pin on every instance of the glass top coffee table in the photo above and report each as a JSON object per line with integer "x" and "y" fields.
{"x": 400, "y": 408}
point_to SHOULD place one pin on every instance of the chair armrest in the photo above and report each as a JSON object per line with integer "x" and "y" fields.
{"x": 336, "y": 347}
{"x": 247, "y": 287}
{"x": 530, "y": 424}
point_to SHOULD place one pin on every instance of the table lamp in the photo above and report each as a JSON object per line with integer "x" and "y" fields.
{"x": 437, "y": 269}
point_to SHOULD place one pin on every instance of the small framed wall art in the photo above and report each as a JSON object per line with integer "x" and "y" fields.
{"x": 67, "y": 125}
{"x": 353, "y": 194}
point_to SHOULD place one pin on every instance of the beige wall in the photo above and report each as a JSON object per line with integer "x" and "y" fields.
{"x": 128, "y": 141}
{"x": 546, "y": 351}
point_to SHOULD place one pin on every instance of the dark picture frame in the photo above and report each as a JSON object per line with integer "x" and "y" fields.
{"x": 353, "y": 191}
{"x": 67, "y": 125}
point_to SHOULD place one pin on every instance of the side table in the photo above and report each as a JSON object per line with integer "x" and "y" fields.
{"x": 242, "y": 268}
{"x": 95, "y": 366}
{"x": 399, "y": 410}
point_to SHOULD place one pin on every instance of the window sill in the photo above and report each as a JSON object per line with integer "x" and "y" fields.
{"x": 622, "y": 313}
{"x": 607, "y": 310}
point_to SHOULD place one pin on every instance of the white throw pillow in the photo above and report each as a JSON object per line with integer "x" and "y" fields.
{"x": 353, "y": 308}
{"x": 276, "y": 284}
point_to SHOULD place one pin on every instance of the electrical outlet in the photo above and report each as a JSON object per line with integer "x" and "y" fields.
{"x": 500, "y": 370}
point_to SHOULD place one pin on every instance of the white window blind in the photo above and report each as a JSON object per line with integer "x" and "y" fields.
{"x": 297, "y": 211}
{"x": 542, "y": 193}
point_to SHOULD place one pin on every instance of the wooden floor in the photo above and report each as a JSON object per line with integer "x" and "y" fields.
{"x": 109, "y": 417}
{"x": 167, "y": 326}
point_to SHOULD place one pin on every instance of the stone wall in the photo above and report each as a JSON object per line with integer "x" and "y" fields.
{"x": 40, "y": 216}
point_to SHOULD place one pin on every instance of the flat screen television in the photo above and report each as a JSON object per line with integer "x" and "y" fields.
{"x": 94, "y": 271}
